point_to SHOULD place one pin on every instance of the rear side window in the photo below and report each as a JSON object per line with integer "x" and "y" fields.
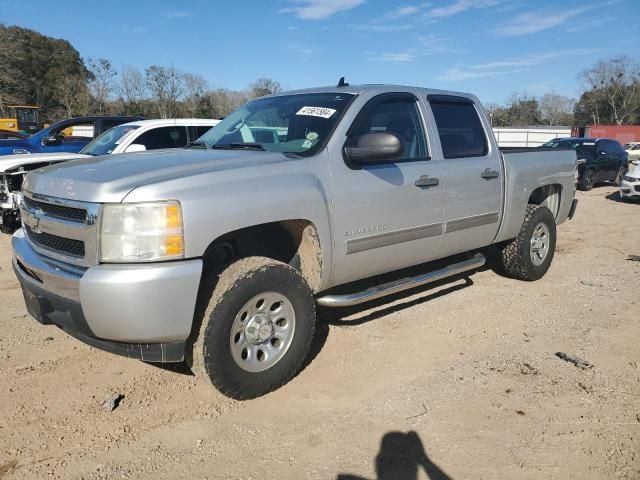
{"x": 163, "y": 137}
{"x": 459, "y": 127}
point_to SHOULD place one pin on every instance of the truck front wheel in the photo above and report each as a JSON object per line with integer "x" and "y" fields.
{"x": 257, "y": 328}
{"x": 529, "y": 255}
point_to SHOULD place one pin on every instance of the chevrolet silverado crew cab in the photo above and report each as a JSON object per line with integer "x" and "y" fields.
{"x": 221, "y": 252}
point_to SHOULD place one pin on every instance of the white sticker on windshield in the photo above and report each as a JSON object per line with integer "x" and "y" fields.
{"x": 321, "y": 112}
{"x": 588, "y": 143}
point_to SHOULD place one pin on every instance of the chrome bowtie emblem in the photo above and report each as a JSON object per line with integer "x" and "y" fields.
{"x": 32, "y": 220}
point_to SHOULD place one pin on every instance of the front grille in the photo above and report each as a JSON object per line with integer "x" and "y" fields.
{"x": 64, "y": 246}
{"x": 57, "y": 211}
{"x": 637, "y": 188}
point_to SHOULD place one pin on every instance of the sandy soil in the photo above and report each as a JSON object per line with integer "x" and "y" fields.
{"x": 454, "y": 381}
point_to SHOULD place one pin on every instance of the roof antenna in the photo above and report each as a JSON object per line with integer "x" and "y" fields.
{"x": 342, "y": 83}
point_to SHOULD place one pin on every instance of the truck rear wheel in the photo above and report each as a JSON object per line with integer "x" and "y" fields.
{"x": 257, "y": 328}
{"x": 529, "y": 255}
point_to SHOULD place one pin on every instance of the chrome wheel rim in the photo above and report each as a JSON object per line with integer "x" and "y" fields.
{"x": 539, "y": 247}
{"x": 262, "y": 331}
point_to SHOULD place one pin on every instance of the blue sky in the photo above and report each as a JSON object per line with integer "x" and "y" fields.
{"x": 488, "y": 47}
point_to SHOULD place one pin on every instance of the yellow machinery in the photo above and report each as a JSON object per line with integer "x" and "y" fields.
{"x": 22, "y": 118}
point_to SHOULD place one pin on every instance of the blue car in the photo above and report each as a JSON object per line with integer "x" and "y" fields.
{"x": 53, "y": 139}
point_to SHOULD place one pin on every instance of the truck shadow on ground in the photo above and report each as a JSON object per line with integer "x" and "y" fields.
{"x": 401, "y": 456}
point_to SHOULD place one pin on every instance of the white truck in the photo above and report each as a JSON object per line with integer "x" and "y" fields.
{"x": 220, "y": 253}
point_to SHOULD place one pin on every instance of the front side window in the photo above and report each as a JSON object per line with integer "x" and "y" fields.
{"x": 163, "y": 137}
{"x": 299, "y": 124}
{"x": 79, "y": 131}
{"x": 106, "y": 142}
{"x": 605, "y": 146}
{"x": 459, "y": 128}
{"x": 400, "y": 116}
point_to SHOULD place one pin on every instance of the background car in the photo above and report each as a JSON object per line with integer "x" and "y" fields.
{"x": 633, "y": 150}
{"x": 149, "y": 135}
{"x": 630, "y": 185}
{"x": 69, "y": 135}
{"x": 598, "y": 159}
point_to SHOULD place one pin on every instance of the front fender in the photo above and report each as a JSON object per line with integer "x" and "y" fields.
{"x": 215, "y": 204}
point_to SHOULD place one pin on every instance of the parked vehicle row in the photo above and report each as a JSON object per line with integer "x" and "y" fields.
{"x": 598, "y": 160}
{"x": 219, "y": 253}
{"x": 129, "y": 137}
{"x": 56, "y": 138}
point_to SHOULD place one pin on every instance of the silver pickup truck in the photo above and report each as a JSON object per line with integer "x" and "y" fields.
{"x": 220, "y": 253}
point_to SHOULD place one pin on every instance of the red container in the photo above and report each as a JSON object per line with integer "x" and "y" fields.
{"x": 622, "y": 133}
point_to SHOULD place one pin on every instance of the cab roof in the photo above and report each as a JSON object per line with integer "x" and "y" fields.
{"x": 374, "y": 88}
{"x": 173, "y": 121}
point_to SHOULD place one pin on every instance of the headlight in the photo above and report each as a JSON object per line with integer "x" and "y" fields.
{"x": 141, "y": 232}
{"x": 629, "y": 179}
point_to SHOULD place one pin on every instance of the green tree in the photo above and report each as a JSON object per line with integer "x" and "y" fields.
{"x": 41, "y": 66}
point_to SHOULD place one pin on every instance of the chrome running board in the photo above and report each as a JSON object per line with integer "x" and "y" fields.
{"x": 385, "y": 289}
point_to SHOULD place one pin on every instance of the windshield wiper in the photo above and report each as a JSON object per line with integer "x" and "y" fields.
{"x": 248, "y": 146}
{"x": 197, "y": 145}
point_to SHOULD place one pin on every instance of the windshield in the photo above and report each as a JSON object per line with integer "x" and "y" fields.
{"x": 106, "y": 142}
{"x": 298, "y": 124}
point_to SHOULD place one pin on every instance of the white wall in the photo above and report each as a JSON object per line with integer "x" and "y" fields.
{"x": 528, "y": 136}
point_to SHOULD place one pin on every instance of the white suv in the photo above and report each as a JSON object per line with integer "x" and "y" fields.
{"x": 148, "y": 135}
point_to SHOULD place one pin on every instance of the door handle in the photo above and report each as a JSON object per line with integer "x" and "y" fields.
{"x": 426, "y": 181}
{"x": 488, "y": 174}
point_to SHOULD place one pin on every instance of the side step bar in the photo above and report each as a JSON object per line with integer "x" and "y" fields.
{"x": 477, "y": 261}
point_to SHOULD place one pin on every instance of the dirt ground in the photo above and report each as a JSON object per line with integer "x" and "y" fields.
{"x": 454, "y": 381}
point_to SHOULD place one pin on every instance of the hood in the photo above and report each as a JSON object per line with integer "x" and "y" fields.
{"x": 109, "y": 178}
{"x": 13, "y": 162}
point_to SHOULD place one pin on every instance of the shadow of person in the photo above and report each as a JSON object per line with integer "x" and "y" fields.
{"x": 401, "y": 457}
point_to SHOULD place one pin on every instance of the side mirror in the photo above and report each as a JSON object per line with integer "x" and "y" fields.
{"x": 135, "y": 147}
{"x": 52, "y": 140}
{"x": 373, "y": 147}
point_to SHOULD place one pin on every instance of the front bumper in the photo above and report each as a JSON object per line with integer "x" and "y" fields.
{"x": 630, "y": 190}
{"x": 142, "y": 311}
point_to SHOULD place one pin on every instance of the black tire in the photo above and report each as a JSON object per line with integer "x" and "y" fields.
{"x": 210, "y": 354}
{"x": 622, "y": 171}
{"x": 588, "y": 180}
{"x": 516, "y": 255}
